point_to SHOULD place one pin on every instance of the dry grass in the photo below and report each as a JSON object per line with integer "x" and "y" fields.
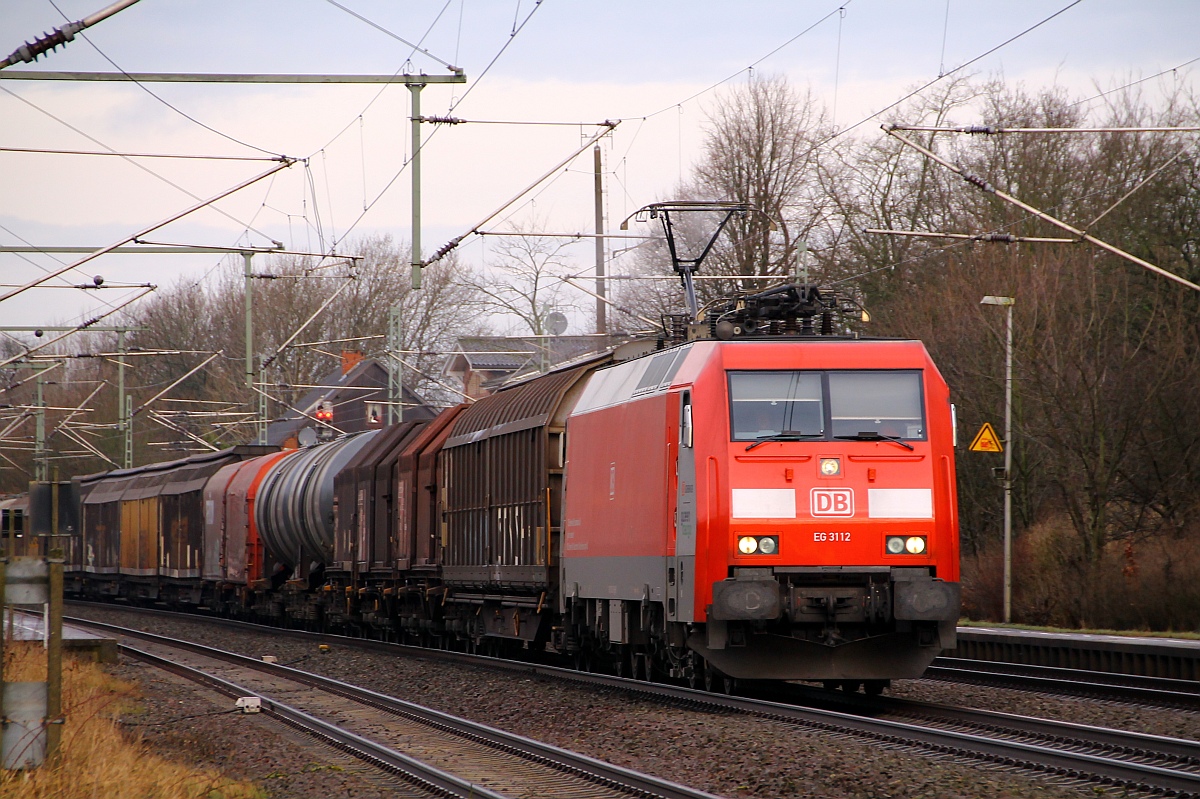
{"x": 1145, "y": 586}
{"x": 97, "y": 760}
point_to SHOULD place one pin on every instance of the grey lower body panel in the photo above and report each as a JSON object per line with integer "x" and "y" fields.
{"x": 778, "y": 657}
{"x": 635, "y": 578}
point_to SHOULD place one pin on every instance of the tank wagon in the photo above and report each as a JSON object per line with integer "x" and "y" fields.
{"x": 753, "y": 501}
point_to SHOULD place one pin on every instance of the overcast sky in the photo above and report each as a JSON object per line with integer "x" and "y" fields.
{"x": 652, "y": 65}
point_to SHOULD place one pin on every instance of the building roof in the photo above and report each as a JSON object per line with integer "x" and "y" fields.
{"x": 511, "y": 357}
{"x": 350, "y": 392}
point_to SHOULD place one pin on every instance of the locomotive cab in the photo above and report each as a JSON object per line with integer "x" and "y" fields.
{"x": 829, "y": 510}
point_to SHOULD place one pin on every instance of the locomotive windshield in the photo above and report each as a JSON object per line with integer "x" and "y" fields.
{"x": 816, "y": 405}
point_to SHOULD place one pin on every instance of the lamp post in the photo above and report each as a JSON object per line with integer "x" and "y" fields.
{"x": 1008, "y": 302}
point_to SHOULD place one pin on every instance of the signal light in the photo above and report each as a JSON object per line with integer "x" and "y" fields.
{"x": 324, "y": 412}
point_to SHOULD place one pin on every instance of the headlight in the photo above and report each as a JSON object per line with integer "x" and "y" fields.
{"x": 758, "y": 544}
{"x": 910, "y": 544}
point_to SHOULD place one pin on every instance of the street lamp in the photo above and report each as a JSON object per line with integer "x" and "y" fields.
{"x": 1007, "y": 301}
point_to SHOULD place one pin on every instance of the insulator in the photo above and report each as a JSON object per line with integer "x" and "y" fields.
{"x": 48, "y": 42}
{"x": 974, "y": 180}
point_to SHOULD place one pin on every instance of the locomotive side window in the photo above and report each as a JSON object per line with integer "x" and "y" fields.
{"x": 884, "y": 403}
{"x": 685, "y": 421}
{"x": 795, "y": 405}
{"x": 764, "y": 404}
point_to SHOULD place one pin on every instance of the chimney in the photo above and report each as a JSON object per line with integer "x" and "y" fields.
{"x": 350, "y": 360}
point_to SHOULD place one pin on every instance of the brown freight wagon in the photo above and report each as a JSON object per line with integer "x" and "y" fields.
{"x": 501, "y": 483}
{"x": 143, "y": 528}
{"x": 360, "y": 544}
{"x": 100, "y": 529}
{"x": 182, "y": 510}
{"x": 415, "y": 511}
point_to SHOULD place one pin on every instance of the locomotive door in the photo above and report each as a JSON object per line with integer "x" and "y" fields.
{"x": 681, "y": 570}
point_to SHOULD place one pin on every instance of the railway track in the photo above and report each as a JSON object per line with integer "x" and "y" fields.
{"x": 1161, "y": 691}
{"x": 1074, "y": 753}
{"x": 441, "y": 754}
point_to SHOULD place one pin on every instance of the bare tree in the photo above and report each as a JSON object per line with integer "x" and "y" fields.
{"x": 288, "y": 292}
{"x": 763, "y": 147}
{"x": 523, "y": 280}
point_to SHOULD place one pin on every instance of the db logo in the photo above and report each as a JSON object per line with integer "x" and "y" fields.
{"x": 832, "y": 502}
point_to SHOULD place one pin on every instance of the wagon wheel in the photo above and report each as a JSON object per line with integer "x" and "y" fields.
{"x": 625, "y": 664}
{"x": 875, "y": 687}
{"x": 697, "y": 674}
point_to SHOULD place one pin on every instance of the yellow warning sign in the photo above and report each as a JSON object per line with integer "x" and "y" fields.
{"x": 986, "y": 440}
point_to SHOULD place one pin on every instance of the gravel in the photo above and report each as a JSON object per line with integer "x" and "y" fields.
{"x": 183, "y": 722}
{"x": 726, "y": 754}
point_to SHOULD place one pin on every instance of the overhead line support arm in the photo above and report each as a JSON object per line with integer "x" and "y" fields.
{"x": 1045, "y": 217}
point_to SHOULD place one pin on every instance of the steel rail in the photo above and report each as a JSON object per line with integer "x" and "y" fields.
{"x": 590, "y": 768}
{"x": 1132, "y": 744}
{"x": 1034, "y": 757}
{"x": 1080, "y": 682}
{"x": 422, "y": 774}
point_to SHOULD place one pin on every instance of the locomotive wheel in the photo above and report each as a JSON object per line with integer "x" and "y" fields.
{"x": 729, "y": 685}
{"x": 709, "y": 679}
{"x": 698, "y": 674}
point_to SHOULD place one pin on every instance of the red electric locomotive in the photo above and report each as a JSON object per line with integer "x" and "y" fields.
{"x": 772, "y": 508}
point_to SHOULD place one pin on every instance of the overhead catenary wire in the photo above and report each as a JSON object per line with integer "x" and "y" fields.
{"x": 753, "y": 64}
{"x": 431, "y": 377}
{"x": 140, "y": 155}
{"x": 127, "y": 239}
{"x": 1002, "y": 238}
{"x": 77, "y": 329}
{"x": 387, "y": 187}
{"x": 158, "y": 418}
{"x": 397, "y": 37}
{"x": 307, "y": 322}
{"x": 511, "y": 38}
{"x": 446, "y": 248}
{"x": 956, "y": 244}
{"x": 185, "y": 376}
{"x": 148, "y": 91}
{"x": 308, "y": 416}
{"x": 990, "y": 130}
{"x": 1131, "y": 84}
{"x": 66, "y": 282}
{"x": 143, "y": 167}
